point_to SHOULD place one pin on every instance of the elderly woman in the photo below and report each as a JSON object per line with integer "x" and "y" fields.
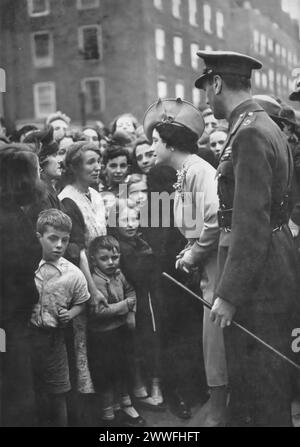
{"x": 18, "y": 261}
{"x": 175, "y": 126}
{"x": 86, "y": 209}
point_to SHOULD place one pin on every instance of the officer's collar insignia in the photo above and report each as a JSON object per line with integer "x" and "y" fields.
{"x": 226, "y": 154}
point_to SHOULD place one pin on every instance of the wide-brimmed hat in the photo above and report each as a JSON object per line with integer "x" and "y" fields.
{"x": 176, "y": 112}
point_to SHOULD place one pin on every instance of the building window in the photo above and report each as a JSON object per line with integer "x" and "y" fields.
{"x": 42, "y": 49}
{"x": 290, "y": 58}
{"x": 88, "y": 4}
{"x": 220, "y": 24}
{"x": 176, "y": 6}
{"x": 207, "y": 18}
{"x": 162, "y": 89}
{"x": 157, "y": 4}
{"x": 179, "y": 90}
{"x": 178, "y": 48}
{"x": 160, "y": 42}
{"x": 277, "y": 49}
{"x": 257, "y": 78}
{"x": 271, "y": 79}
{"x": 38, "y": 7}
{"x": 94, "y": 94}
{"x": 196, "y": 94}
{"x": 90, "y": 41}
{"x": 256, "y": 41}
{"x": 44, "y": 99}
{"x": 193, "y": 12}
{"x": 194, "y": 57}
{"x": 263, "y": 44}
{"x": 264, "y": 80}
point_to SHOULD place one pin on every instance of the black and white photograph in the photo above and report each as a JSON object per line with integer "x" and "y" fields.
{"x": 149, "y": 216}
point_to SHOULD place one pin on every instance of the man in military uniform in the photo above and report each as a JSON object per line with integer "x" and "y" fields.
{"x": 257, "y": 280}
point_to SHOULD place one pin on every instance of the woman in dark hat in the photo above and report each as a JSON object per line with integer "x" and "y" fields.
{"x": 19, "y": 187}
{"x": 174, "y": 126}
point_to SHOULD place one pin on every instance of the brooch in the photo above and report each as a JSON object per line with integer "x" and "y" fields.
{"x": 178, "y": 186}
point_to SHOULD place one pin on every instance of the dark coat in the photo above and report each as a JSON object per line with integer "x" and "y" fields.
{"x": 18, "y": 294}
{"x": 257, "y": 264}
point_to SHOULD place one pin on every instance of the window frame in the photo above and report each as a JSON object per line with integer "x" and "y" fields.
{"x": 181, "y": 85}
{"x": 36, "y": 86}
{"x": 194, "y": 57}
{"x": 159, "y": 45}
{"x": 207, "y": 7}
{"x": 178, "y": 39}
{"x": 164, "y": 81}
{"x": 37, "y": 14}
{"x": 193, "y": 12}
{"x": 179, "y": 5}
{"x": 220, "y": 14}
{"x": 99, "y": 41}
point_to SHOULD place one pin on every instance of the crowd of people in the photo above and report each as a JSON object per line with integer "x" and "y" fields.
{"x": 84, "y": 305}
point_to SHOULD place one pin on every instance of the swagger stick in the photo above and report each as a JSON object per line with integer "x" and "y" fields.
{"x": 259, "y": 340}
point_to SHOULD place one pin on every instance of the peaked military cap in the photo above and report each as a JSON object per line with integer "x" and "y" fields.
{"x": 226, "y": 62}
{"x": 173, "y": 111}
{"x": 295, "y": 95}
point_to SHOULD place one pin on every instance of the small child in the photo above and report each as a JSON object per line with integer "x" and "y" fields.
{"x": 110, "y": 333}
{"x": 63, "y": 293}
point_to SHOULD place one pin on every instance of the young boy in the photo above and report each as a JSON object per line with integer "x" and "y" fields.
{"x": 63, "y": 293}
{"x": 110, "y": 332}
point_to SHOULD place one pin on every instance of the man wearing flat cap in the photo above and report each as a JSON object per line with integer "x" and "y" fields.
{"x": 257, "y": 279}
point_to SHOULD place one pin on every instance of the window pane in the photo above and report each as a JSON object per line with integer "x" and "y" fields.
{"x": 38, "y": 6}
{"x": 160, "y": 44}
{"x": 193, "y": 12}
{"x": 93, "y": 96}
{"x": 176, "y": 4}
{"x": 44, "y": 99}
{"x": 220, "y": 24}
{"x": 194, "y": 57}
{"x": 179, "y": 91}
{"x": 177, "y": 50}
{"x": 207, "y": 18}
{"x": 42, "y": 48}
{"x": 90, "y": 43}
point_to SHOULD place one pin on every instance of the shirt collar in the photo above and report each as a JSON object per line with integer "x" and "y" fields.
{"x": 58, "y": 265}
